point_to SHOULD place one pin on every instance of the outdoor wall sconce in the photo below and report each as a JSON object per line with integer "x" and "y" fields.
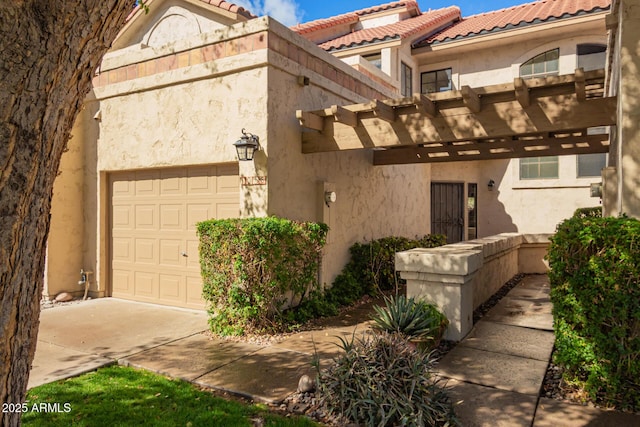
{"x": 329, "y": 197}
{"x": 491, "y": 184}
{"x": 247, "y": 145}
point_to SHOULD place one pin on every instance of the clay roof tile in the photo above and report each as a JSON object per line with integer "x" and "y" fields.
{"x": 524, "y": 14}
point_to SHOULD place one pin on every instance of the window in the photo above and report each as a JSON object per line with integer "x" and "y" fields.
{"x": 591, "y": 164}
{"x": 436, "y": 81}
{"x": 545, "y": 64}
{"x": 591, "y": 56}
{"x": 406, "y": 76}
{"x": 375, "y": 59}
{"x": 472, "y": 209}
{"x": 539, "y": 167}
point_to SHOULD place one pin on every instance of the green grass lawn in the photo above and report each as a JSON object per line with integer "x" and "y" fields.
{"x": 121, "y": 396}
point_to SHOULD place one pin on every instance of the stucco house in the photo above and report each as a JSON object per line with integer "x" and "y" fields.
{"x": 480, "y": 198}
{"x": 350, "y": 105}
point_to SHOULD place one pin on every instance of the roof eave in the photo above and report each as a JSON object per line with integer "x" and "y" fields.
{"x": 498, "y": 33}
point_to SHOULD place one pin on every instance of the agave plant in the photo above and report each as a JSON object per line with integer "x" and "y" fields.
{"x": 413, "y": 319}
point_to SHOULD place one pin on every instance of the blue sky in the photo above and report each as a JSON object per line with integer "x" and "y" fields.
{"x": 291, "y": 12}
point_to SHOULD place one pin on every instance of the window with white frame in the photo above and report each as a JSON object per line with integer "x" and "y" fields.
{"x": 544, "y": 64}
{"x": 539, "y": 167}
{"x": 435, "y": 81}
{"x": 590, "y": 165}
{"x": 406, "y": 79}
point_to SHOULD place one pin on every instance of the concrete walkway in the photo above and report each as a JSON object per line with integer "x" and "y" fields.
{"x": 494, "y": 374}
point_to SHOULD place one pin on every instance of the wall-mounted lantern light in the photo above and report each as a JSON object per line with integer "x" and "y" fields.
{"x": 247, "y": 145}
{"x": 329, "y": 197}
{"x": 491, "y": 184}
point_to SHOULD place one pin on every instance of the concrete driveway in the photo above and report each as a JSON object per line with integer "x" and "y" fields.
{"x": 81, "y": 337}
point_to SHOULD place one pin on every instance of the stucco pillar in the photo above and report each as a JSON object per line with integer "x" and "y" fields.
{"x": 443, "y": 276}
{"x": 629, "y": 108}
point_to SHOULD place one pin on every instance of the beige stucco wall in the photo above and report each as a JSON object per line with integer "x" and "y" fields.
{"x": 66, "y": 236}
{"x": 629, "y": 109}
{"x": 514, "y": 205}
{"x": 192, "y": 114}
{"x": 372, "y": 201}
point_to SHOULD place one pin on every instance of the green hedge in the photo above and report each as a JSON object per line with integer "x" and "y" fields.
{"x": 594, "y": 212}
{"x": 595, "y": 290}
{"x": 252, "y": 268}
{"x": 371, "y": 268}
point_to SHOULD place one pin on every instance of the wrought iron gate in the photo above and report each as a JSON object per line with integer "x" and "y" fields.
{"x": 447, "y": 210}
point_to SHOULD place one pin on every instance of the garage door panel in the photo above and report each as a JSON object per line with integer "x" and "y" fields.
{"x": 123, "y": 217}
{"x": 145, "y": 284}
{"x": 122, "y": 281}
{"x": 153, "y": 219}
{"x": 200, "y": 185}
{"x": 227, "y": 184}
{"x": 172, "y": 182}
{"x": 193, "y": 258}
{"x": 194, "y": 292}
{"x": 172, "y": 217}
{"x": 197, "y": 213}
{"x": 122, "y": 249}
{"x": 146, "y": 251}
{"x": 146, "y": 183}
{"x": 227, "y": 210}
{"x": 170, "y": 252}
{"x": 171, "y": 288}
{"x": 146, "y": 217}
{"x": 124, "y": 185}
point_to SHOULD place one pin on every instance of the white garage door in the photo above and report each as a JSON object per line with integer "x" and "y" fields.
{"x": 154, "y": 247}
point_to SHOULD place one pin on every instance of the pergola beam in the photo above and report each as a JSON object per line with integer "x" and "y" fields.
{"x": 460, "y": 123}
{"x": 580, "y": 85}
{"x": 383, "y": 111}
{"x": 427, "y": 106}
{"x": 342, "y": 115}
{"x": 471, "y": 99}
{"x": 504, "y": 119}
{"x": 521, "y": 92}
{"x": 310, "y": 120}
{"x": 504, "y": 149}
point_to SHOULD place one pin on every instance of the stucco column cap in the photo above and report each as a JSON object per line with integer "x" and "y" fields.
{"x": 451, "y": 260}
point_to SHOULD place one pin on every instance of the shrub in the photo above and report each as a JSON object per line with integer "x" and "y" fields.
{"x": 594, "y": 212}
{"x": 252, "y": 268}
{"x": 595, "y": 290}
{"x": 372, "y": 267}
{"x": 410, "y": 318}
{"x": 382, "y": 381}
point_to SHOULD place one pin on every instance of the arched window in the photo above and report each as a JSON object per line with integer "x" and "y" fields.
{"x": 545, "y": 64}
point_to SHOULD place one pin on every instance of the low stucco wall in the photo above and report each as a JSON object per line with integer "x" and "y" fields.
{"x": 460, "y": 277}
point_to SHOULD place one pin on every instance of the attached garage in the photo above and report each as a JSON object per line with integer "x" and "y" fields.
{"x": 154, "y": 247}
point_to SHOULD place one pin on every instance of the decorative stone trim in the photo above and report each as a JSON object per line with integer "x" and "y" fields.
{"x": 237, "y": 46}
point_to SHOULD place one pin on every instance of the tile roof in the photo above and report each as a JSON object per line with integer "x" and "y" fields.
{"x": 230, "y": 7}
{"x": 399, "y": 30}
{"x": 516, "y": 16}
{"x": 352, "y": 17}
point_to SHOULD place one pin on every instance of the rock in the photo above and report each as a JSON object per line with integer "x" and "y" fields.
{"x": 306, "y": 384}
{"x": 64, "y": 297}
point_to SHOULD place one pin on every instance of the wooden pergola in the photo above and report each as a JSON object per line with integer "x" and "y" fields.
{"x": 526, "y": 118}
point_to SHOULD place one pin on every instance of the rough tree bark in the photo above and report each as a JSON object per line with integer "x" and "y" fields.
{"x": 49, "y": 50}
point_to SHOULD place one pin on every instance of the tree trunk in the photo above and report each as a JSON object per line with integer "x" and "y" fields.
{"x": 49, "y": 50}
